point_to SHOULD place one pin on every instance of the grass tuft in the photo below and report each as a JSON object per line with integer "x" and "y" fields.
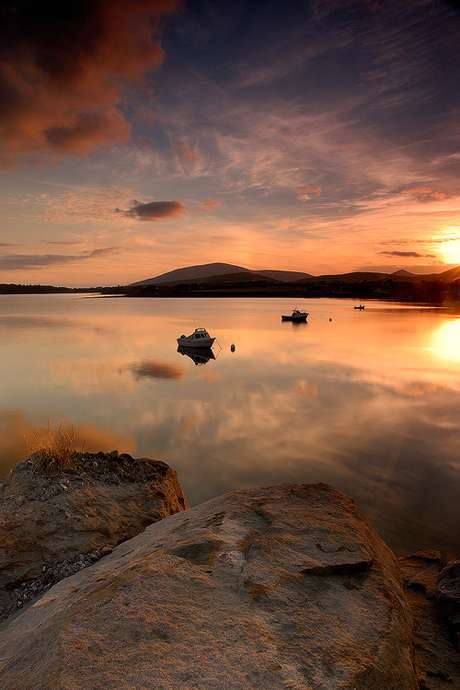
{"x": 51, "y": 448}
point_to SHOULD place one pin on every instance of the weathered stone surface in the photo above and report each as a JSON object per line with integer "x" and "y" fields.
{"x": 448, "y": 595}
{"x": 437, "y": 662}
{"x": 53, "y": 523}
{"x": 285, "y": 587}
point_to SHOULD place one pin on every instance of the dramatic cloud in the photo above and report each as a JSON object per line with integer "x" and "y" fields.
{"x": 418, "y": 240}
{"x": 424, "y": 193}
{"x": 414, "y": 255}
{"x": 63, "y": 68}
{"x": 185, "y": 153}
{"x": 306, "y": 192}
{"x": 17, "y": 262}
{"x": 156, "y": 210}
{"x": 208, "y": 205}
{"x": 154, "y": 369}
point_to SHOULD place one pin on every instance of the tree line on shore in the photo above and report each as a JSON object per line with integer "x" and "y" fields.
{"x": 422, "y": 291}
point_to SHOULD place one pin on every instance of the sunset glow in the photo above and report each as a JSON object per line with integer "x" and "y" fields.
{"x": 451, "y": 251}
{"x": 314, "y": 136}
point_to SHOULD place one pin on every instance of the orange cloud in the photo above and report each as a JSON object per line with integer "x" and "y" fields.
{"x": 62, "y": 80}
{"x": 208, "y": 204}
{"x": 306, "y": 192}
{"x": 155, "y": 210}
{"x": 185, "y": 153}
{"x": 303, "y": 388}
{"x": 424, "y": 193}
{"x": 416, "y": 390}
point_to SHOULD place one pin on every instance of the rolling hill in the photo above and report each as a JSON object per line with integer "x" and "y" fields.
{"x": 218, "y": 273}
{"x": 207, "y": 271}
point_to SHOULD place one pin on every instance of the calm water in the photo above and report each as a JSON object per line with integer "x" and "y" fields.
{"x": 368, "y": 401}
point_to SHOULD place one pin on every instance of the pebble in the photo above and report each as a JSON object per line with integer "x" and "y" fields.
{"x": 55, "y": 572}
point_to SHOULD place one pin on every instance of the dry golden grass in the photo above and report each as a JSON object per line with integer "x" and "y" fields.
{"x": 51, "y": 447}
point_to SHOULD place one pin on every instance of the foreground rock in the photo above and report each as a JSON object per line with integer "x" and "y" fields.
{"x": 54, "y": 523}
{"x": 436, "y": 659}
{"x": 282, "y": 587}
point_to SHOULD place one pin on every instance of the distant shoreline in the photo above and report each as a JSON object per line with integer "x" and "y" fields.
{"x": 423, "y": 292}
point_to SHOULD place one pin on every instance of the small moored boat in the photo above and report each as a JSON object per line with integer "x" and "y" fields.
{"x": 199, "y": 338}
{"x": 360, "y": 306}
{"x": 295, "y": 316}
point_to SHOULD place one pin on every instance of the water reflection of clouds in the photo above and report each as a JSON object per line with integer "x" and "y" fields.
{"x": 210, "y": 376}
{"x": 304, "y": 388}
{"x": 368, "y": 442}
{"x": 12, "y": 444}
{"x": 85, "y": 377}
{"x": 99, "y": 376}
{"x": 28, "y": 325}
{"x": 154, "y": 369}
{"x": 417, "y": 389}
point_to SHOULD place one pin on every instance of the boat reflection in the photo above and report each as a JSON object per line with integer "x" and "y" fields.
{"x": 200, "y": 355}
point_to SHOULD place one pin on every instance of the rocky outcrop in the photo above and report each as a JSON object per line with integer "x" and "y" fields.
{"x": 55, "y": 523}
{"x": 272, "y": 588}
{"x": 448, "y": 596}
{"x": 436, "y": 657}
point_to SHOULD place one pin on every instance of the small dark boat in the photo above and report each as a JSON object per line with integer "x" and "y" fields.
{"x": 360, "y": 306}
{"x": 295, "y": 316}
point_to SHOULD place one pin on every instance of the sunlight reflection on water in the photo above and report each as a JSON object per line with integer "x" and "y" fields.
{"x": 446, "y": 341}
{"x": 365, "y": 400}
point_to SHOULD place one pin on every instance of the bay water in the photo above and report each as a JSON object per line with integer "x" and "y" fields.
{"x": 367, "y": 400}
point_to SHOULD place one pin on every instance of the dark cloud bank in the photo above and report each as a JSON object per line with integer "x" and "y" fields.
{"x": 155, "y": 210}
{"x": 18, "y": 262}
{"x": 63, "y": 68}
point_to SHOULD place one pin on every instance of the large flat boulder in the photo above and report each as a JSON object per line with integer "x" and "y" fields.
{"x": 53, "y": 523}
{"x": 269, "y": 588}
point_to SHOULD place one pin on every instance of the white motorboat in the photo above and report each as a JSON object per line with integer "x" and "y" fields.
{"x": 295, "y": 316}
{"x": 199, "y": 338}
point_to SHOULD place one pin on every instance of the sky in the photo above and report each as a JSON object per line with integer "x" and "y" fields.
{"x": 305, "y": 135}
